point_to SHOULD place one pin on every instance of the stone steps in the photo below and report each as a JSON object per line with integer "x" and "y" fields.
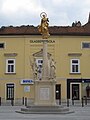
{"x": 45, "y": 110}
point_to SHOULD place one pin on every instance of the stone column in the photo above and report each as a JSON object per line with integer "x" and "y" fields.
{"x": 45, "y": 71}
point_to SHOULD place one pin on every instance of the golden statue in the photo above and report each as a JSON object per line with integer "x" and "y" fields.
{"x": 43, "y": 27}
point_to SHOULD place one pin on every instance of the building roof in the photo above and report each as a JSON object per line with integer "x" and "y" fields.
{"x": 54, "y": 30}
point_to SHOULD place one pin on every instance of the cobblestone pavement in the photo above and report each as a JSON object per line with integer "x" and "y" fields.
{"x": 8, "y": 113}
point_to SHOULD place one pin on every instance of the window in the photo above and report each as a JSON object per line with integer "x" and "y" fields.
{"x": 75, "y": 66}
{"x": 75, "y": 91}
{"x": 58, "y": 91}
{"x": 85, "y": 44}
{"x": 39, "y": 62}
{"x": 10, "y": 66}
{"x": 10, "y": 91}
{"x": 2, "y": 45}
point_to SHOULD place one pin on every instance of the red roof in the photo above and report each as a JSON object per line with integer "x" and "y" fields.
{"x": 54, "y": 30}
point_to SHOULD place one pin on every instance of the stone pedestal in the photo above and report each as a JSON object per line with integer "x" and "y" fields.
{"x": 45, "y": 92}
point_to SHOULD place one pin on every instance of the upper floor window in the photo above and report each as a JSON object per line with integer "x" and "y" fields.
{"x": 75, "y": 66}
{"x": 85, "y": 44}
{"x": 2, "y": 45}
{"x": 10, "y": 66}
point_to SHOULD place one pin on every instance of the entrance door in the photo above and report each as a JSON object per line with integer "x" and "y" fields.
{"x": 58, "y": 91}
{"x": 75, "y": 92}
{"x": 10, "y": 91}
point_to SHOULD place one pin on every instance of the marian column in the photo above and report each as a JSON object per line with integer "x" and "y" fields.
{"x": 45, "y": 88}
{"x": 43, "y": 29}
{"x": 44, "y": 99}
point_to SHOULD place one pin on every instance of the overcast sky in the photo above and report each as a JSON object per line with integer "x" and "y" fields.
{"x": 27, "y": 12}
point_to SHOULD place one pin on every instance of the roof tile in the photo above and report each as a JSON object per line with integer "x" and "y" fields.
{"x": 54, "y": 30}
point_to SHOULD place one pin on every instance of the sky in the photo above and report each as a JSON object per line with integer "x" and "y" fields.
{"x": 59, "y": 12}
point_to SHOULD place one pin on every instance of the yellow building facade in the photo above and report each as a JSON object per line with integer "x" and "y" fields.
{"x": 68, "y": 46}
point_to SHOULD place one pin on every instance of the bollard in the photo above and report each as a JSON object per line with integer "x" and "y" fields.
{"x": 22, "y": 100}
{"x": 12, "y": 102}
{"x": 25, "y": 101}
{"x": 59, "y": 101}
{"x": 85, "y": 100}
{"x": 82, "y": 103}
{"x": 67, "y": 102}
{"x": 0, "y": 101}
{"x": 72, "y": 101}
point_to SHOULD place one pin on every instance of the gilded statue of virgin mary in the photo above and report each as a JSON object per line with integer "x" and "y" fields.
{"x": 43, "y": 27}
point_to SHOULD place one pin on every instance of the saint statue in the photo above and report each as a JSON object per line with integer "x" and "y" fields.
{"x": 52, "y": 69}
{"x": 43, "y": 27}
{"x": 34, "y": 69}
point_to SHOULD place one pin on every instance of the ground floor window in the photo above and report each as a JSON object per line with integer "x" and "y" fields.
{"x": 58, "y": 91}
{"x": 75, "y": 91}
{"x": 88, "y": 90}
{"x": 10, "y": 91}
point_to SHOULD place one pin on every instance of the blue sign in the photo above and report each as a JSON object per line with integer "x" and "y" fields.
{"x": 27, "y": 81}
{"x": 86, "y": 80}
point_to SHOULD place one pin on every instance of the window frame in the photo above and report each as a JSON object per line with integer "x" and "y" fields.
{"x": 10, "y": 91}
{"x": 87, "y": 42}
{"x": 9, "y": 65}
{"x": 75, "y": 66}
{"x": 3, "y": 45}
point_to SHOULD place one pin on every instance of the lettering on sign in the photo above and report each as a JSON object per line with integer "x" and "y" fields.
{"x": 27, "y": 81}
{"x": 40, "y": 41}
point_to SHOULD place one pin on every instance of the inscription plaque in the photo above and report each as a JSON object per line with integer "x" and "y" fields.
{"x": 44, "y": 93}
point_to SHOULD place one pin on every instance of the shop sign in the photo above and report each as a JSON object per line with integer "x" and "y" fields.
{"x": 86, "y": 80}
{"x": 27, "y": 81}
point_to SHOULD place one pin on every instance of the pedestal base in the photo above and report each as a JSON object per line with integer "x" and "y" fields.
{"x": 45, "y": 110}
{"x": 45, "y": 92}
{"x": 45, "y": 102}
